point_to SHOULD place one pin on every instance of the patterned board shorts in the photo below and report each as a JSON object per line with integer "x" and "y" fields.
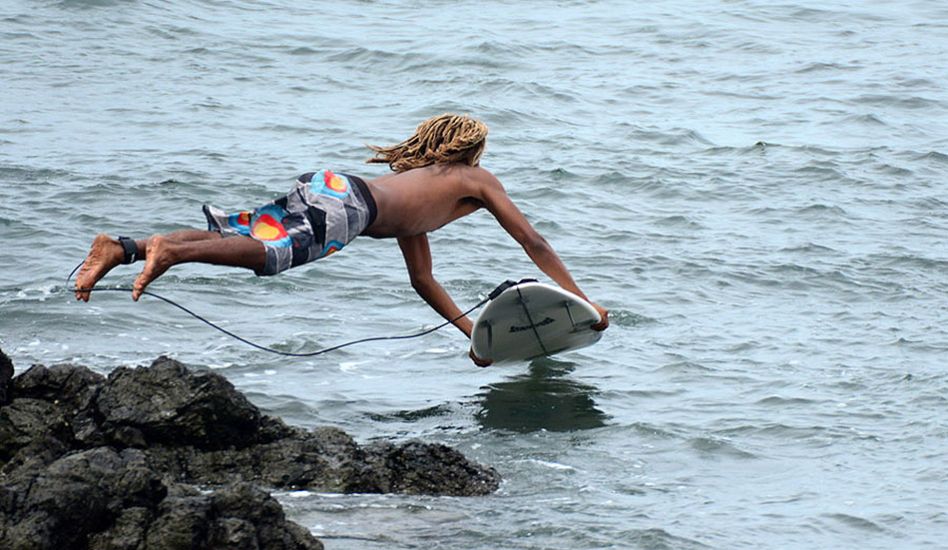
{"x": 322, "y": 213}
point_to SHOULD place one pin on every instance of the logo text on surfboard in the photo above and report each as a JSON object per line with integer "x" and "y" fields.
{"x": 547, "y": 321}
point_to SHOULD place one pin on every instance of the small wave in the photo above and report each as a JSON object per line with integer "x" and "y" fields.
{"x": 819, "y": 209}
{"x": 30, "y": 175}
{"x": 933, "y": 203}
{"x": 684, "y": 367}
{"x": 669, "y": 137}
{"x": 919, "y": 345}
{"x": 868, "y": 119}
{"x": 936, "y": 400}
{"x": 17, "y": 36}
{"x": 744, "y": 96}
{"x": 170, "y": 32}
{"x": 678, "y": 221}
{"x": 808, "y": 14}
{"x": 936, "y": 156}
{"x": 368, "y": 57}
{"x": 213, "y": 105}
{"x": 732, "y": 150}
{"x": 652, "y": 430}
{"x": 918, "y": 83}
{"x": 531, "y": 90}
{"x": 715, "y": 446}
{"x": 306, "y": 50}
{"x": 776, "y": 400}
{"x": 558, "y": 174}
{"x": 857, "y": 522}
{"x": 810, "y": 248}
{"x": 827, "y": 67}
{"x": 776, "y": 430}
{"x": 639, "y": 395}
{"x": 912, "y": 261}
{"x": 621, "y": 179}
{"x": 891, "y": 170}
{"x": 286, "y": 129}
{"x": 826, "y": 170}
{"x": 86, "y": 4}
{"x": 498, "y": 49}
{"x": 656, "y": 538}
{"x": 914, "y": 102}
{"x": 759, "y": 48}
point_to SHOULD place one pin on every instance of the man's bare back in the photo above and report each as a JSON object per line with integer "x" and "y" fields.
{"x": 425, "y": 199}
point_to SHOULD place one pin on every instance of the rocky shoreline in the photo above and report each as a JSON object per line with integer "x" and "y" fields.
{"x": 165, "y": 457}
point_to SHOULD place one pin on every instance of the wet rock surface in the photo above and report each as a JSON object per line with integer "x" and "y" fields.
{"x": 6, "y": 374}
{"x": 166, "y": 457}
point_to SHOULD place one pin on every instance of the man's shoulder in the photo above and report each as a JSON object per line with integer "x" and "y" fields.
{"x": 451, "y": 168}
{"x": 455, "y": 173}
{"x": 484, "y": 177}
{"x": 476, "y": 174}
{"x": 465, "y": 179}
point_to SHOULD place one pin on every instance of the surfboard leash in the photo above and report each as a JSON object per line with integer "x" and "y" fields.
{"x": 493, "y": 294}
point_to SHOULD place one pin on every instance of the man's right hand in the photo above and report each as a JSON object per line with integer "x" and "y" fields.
{"x": 603, "y": 323}
{"x": 478, "y": 361}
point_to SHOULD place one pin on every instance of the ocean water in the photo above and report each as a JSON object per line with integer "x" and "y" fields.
{"x": 756, "y": 190}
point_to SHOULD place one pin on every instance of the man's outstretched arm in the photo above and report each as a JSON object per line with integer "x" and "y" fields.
{"x": 417, "y": 255}
{"x": 495, "y": 199}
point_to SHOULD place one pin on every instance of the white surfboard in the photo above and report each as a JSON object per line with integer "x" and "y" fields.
{"x": 532, "y": 319}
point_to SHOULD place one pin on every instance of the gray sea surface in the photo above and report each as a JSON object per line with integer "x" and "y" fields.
{"x": 756, "y": 190}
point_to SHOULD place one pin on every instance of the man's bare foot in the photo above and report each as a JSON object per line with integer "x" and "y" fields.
{"x": 104, "y": 254}
{"x": 160, "y": 258}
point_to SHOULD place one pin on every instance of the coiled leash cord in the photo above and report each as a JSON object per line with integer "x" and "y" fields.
{"x": 496, "y": 292}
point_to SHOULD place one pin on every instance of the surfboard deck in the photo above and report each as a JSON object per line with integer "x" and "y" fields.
{"x": 532, "y": 319}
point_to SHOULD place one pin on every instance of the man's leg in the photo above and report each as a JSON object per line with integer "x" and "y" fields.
{"x": 164, "y": 252}
{"x": 106, "y": 253}
{"x": 186, "y": 235}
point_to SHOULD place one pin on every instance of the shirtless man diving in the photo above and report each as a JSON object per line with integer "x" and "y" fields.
{"x": 437, "y": 179}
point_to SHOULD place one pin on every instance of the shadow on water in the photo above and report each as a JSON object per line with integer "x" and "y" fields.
{"x": 544, "y": 398}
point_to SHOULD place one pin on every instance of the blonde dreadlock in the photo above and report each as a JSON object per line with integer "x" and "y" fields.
{"x": 441, "y": 139}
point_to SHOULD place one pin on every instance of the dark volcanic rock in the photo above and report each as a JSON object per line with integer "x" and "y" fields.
{"x": 326, "y": 459}
{"x": 93, "y": 462}
{"x": 66, "y": 385}
{"x": 166, "y": 404}
{"x": 425, "y": 469}
{"x": 6, "y": 374}
{"x": 103, "y": 498}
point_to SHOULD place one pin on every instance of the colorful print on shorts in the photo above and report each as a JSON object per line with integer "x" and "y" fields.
{"x": 331, "y": 248}
{"x": 267, "y": 226}
{"x": 240, "y": 222}
{"x": 326, "y": 182}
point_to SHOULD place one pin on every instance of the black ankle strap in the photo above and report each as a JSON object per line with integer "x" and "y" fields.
{"x": 130, "y": 247}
